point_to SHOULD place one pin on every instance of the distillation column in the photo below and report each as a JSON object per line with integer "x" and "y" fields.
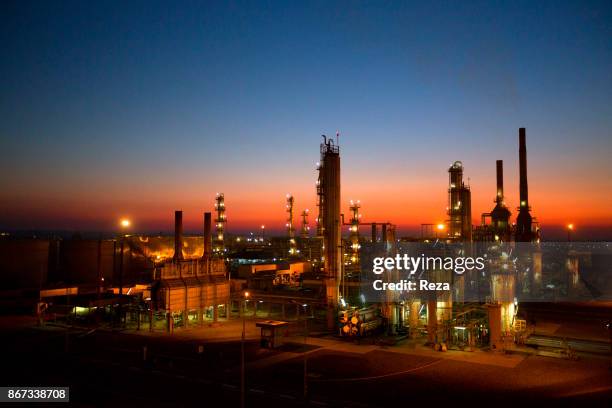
{"x": 502, "y": 309}
{"x": 459, "y": 204}
{"x": 221, "y": 220}
{"x": 440, "y": 304}
{"x": 354, "y": 232}
{"x": 328, "y": 189}
{"x": 289, "y": 225}
{"x": 305, "y": 231}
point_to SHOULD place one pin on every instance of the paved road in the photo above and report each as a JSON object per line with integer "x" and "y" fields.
{"x": 106, "y": 369}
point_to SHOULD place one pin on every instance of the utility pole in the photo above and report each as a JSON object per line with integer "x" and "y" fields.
{"x": 305, "y": 355}
{"x": 242, "y": 365}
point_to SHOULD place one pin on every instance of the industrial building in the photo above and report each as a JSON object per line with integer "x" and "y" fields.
{"x": 143, "y": 278}
{"x": 192, "y": 287}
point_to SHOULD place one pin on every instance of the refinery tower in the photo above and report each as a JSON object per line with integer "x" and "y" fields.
{"x": 329, "y": 222}
{"x": 459, "y": 204}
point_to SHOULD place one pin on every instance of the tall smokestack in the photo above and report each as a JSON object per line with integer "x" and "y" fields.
{"x": 178, "y": 235}
{"x": 523, "y": 220}
{"x": 500, "y": 180}
{"x": 524, "y": 195}
{"x": 383, "y": 234}
{"x": 207, "y": 235}
{"x": 500, "y": 216}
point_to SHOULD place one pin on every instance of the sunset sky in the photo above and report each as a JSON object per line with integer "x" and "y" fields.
{"x": 113, "y": 110}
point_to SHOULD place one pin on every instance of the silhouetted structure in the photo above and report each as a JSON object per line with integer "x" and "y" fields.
{"x": 178, "y": 236}
{"x": 207, "y": 236}
{"x": 500, "y": 216}
{"x": 523, "y": 220}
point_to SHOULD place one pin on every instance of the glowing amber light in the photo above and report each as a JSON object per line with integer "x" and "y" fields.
{"x": 440, "y": 227}
{"x": 125, "y": 223}
{"x": 570, "y": 227}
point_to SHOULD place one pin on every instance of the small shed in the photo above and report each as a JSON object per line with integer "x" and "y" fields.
{"x": 272, "y": 333}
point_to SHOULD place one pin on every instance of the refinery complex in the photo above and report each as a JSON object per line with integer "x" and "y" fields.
{"x": 325, "y": 273}
{"x": 302, "y": 318}
{"x": 183, "y": 224}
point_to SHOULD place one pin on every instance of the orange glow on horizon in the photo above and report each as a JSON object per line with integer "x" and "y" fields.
{"x": 265, "y": 212}
{"x": 407, "y": 201}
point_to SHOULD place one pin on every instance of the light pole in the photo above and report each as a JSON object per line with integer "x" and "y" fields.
{"x": 570, "y": 229}
{"x": 440, "y": 228}
{"x": 263, "y": 233}
{"x": 305, "y": 353}
{"x": 125, "y": 224}
{"x": 242, "y": 386}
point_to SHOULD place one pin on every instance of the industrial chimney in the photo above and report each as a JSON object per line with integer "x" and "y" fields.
{"x": 207, "y": 236}
{"x": 524, "y": 192}
{"x": 500, "y": 215}
{"x": 523, "y": 220}
{"x": 383, "y": 235}
{"x": 499, "y": 170}
{"x": 178, "y": 236}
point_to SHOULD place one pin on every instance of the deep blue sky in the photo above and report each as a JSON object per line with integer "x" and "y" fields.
{"x": 106, "y": 104}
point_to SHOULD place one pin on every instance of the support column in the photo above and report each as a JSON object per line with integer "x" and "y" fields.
{"x": 414, "y": 318}
{"x": 215, "y": 305}
{"x": 202, "y": 292}
{"x": 393, "y": 320}
{"x": 494, "y": 314}
{"x": 432, "y": 320}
